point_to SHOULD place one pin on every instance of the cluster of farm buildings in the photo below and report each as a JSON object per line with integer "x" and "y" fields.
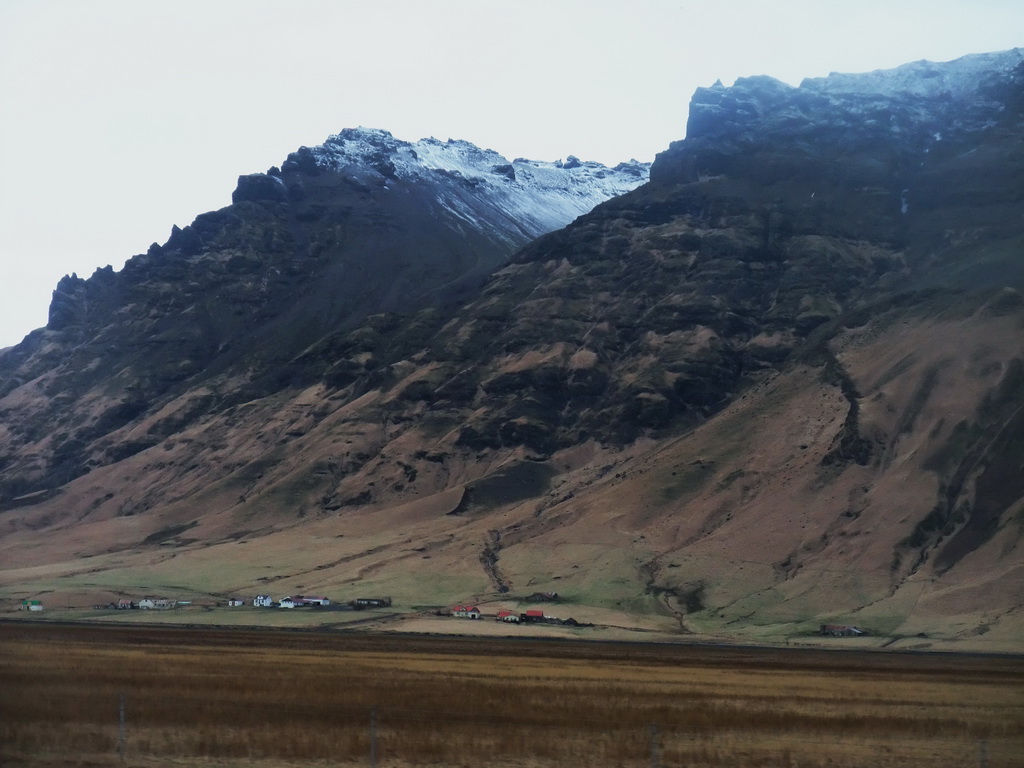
{"x": 145, "y": 604}
{"x": 529, "y": 616}
{"x": 260, "y": 601}
{"x": 310, "y": 601}
{"x": 509, "y": 617}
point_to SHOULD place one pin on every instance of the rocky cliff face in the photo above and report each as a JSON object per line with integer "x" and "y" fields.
{"x": 361, "y": 225}
{"x": 777, "y": 385}
{"x": 887, "y": 156}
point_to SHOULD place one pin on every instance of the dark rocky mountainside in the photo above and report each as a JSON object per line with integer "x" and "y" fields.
{"x": 780, "y": 384}
{"x": 361, "y": 225}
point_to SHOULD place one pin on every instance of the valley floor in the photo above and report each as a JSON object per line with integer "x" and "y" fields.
{"x": 77, "y": 694}
{"x": 585, "y": 623}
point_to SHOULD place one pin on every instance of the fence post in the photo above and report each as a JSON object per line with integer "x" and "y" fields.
{"x": 120, "y": 730}
{"x": 373, "y": 737}
{"x": 654, "y": 745}
{"x": 983, "y": 754}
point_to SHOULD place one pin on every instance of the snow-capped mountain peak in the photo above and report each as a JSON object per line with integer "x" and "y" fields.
{"x": 536, "y": 196}
{"x": 910, "y": 100}
{"x": 953, "y": 79}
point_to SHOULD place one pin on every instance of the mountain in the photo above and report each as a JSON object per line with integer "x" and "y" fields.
{"x": 778, "y": 385}
{"x": 363, "y": 225}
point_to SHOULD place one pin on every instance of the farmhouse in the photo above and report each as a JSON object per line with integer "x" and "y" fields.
{"x": 508, "y": 617}
{"x": 263, "y": 601}
{"x": 466, "y": 612}
{"x": 31, "y": 605}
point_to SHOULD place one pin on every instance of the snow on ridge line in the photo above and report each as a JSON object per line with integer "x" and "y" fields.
{"x": 958, "y": 77}
{"x": 366, "y": 146}
{"x": 471, "y": 183}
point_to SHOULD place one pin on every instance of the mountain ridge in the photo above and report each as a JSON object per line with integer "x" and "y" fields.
{"x": 221, "y": 292}
{"x": 775, "y": 386}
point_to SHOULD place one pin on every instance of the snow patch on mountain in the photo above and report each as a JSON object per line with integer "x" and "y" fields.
{"x": 952, "y": 79}
{"x": 532, "y": 196}
{"x": 916, "y": 100}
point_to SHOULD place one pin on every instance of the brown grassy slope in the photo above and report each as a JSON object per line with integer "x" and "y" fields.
{"x": 747, "y": 526}
{"x": 745, "y": 511}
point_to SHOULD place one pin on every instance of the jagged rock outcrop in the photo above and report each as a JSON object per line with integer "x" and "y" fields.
{"x": 260, "y": 187}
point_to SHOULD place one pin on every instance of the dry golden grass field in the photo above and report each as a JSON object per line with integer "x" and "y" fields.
{"x": 216, "y": 697}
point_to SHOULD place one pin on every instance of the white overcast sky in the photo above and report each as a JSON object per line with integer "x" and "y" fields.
{"x": 120, "y": 118}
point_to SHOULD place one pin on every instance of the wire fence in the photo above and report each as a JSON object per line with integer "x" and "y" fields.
{"x": 380, "y": 737}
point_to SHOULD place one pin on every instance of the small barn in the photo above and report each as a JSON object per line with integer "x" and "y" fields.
{"x": 31, "y": 605}
{"x": 508, "y": 617}
{"x": 534, "y": 614}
